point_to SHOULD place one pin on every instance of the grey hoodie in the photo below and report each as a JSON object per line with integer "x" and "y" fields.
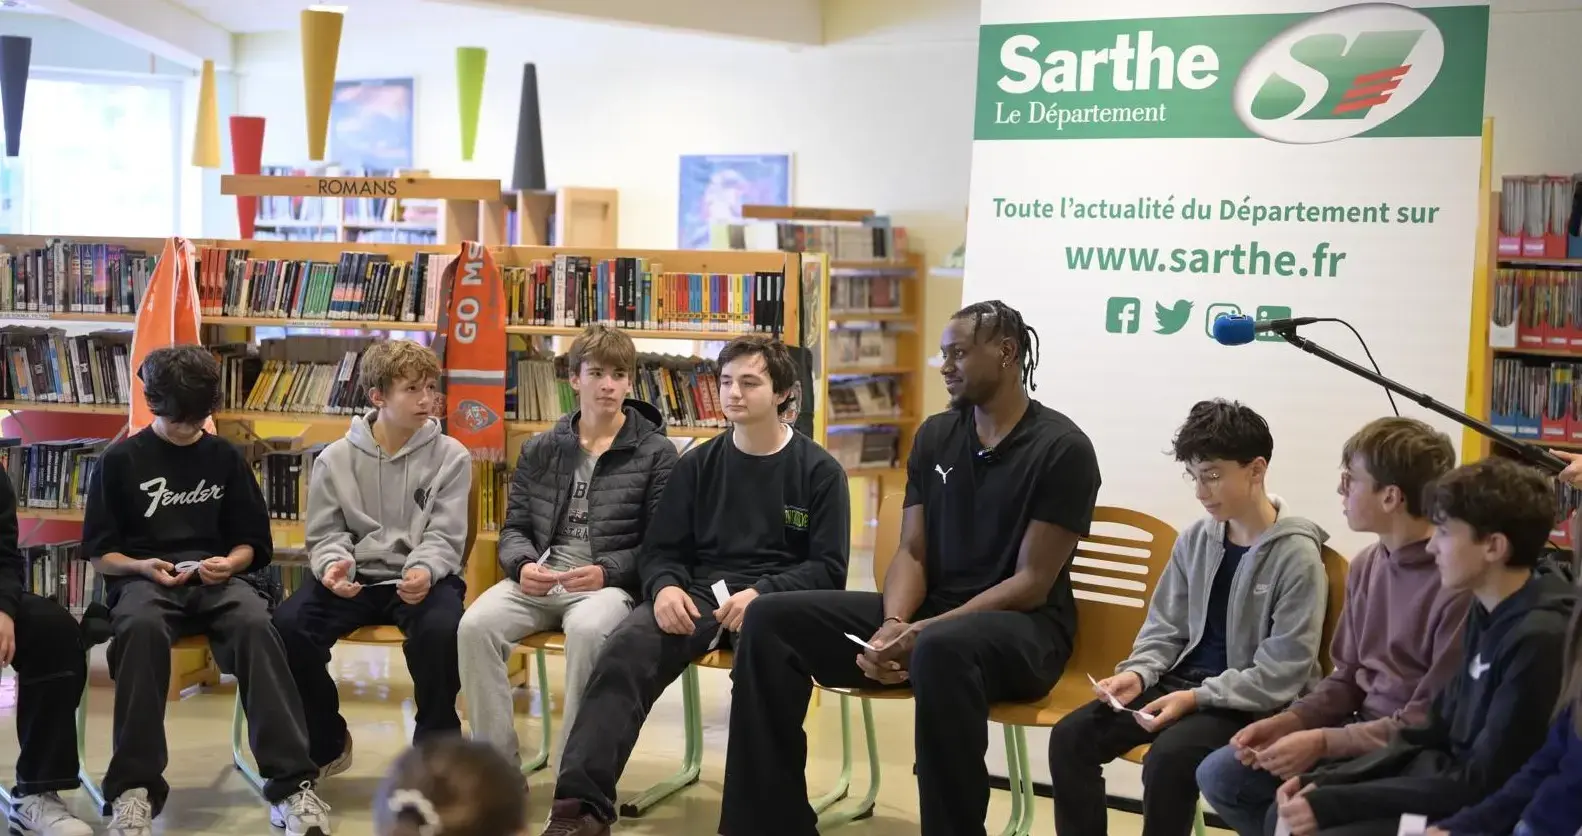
{"x": 1274, "y": 623}
{"x": 390, "y": 512}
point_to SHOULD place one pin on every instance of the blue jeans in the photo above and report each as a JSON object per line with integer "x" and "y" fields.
{"x": 1241, "y": 795}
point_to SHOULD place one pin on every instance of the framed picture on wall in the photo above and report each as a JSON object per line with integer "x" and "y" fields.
{"x": 714, "y": 187}
{"x": 371, "y": 124}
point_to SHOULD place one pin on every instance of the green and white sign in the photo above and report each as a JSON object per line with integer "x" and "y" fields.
{"x": 1143, "y": 167}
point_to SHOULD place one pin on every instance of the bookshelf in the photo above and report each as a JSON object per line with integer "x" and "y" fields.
{"x": 876, "y": 371}
{"x": 354, "y": 198}
{"x": 572, "y": 216}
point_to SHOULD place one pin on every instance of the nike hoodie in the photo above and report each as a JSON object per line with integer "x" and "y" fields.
{"x": 1491, "y": 717}
{"x": 1274, "y": 622}
{"x": 389, "y": 512}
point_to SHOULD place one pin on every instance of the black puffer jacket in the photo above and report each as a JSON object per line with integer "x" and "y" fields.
{"x": 625, "y": 490}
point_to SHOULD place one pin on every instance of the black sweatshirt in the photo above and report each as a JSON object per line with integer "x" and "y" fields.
{"x": 773, "y": 523}
{"x": 151, "y": 498}
{"x": 1483, "y": 725}
{"x": 12, "y": 566}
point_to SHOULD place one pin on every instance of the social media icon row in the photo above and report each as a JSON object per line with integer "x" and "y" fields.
{"x": 1123, "y": 315}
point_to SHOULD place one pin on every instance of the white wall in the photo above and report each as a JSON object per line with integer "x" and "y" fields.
{"x": 1537, "y": 115}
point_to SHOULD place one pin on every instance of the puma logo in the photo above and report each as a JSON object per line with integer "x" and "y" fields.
{"x": 1478, "y": 667}
{"x": 160, "y": 495}
{"x": 944, "y": 474}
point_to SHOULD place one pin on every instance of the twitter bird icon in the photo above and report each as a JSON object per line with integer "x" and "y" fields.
{"x": 1173, "y": 318}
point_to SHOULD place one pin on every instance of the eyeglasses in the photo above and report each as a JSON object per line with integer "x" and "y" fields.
{"x": 1208, "y": 480}
{"x": 1347, "y": 480}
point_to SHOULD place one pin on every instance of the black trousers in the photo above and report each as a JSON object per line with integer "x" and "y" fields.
{"x": 959, "y": 667}
{"x": 51, "y": 668}
{"x": 1095, "y": 734}
{"x": 637, "y": 663}
{"x": 147, "y": 619}
{"x": 314, "y": 618}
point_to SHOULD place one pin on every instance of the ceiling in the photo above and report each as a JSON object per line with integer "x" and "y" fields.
{"x": 250, "y": 16}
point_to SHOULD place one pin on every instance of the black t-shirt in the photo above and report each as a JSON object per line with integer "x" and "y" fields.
{"x": 1208, "y": 656}
{"x": 151, "y": 498}
{"x": 977, "y": 504}
{"x": 775, "y": 523}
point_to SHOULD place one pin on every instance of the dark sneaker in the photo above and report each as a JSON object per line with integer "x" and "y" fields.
{"x": 568, "y": 818}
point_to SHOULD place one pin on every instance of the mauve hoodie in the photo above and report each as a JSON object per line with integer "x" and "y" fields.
{"x": 1398, "y": 641}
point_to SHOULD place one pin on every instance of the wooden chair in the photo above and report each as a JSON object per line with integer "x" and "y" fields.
{"x": 381, "y": 635}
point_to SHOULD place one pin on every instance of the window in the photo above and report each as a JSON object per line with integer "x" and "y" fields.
{"x": 100, "y": 156}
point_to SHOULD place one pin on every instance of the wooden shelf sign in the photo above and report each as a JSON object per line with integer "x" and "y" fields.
{"x": 411, "y": 188}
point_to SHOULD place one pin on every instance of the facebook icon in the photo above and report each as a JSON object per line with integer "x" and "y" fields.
{"x": 1121, "y": 316}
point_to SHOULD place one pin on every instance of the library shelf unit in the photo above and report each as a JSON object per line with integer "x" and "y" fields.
{"x": 901, "y": 366}
{"x": 570, "y": 216}
{"x": 303, "y": 429}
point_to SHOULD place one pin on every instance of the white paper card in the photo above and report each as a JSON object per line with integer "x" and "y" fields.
{"x": 1412, "y": 825}
{"x": 862, "y": 643}
{"x": 722, "y": 593}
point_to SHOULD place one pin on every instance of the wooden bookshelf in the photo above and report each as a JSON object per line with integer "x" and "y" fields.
{"x": 571, "y": 216}
{"x": 458, "y": 202}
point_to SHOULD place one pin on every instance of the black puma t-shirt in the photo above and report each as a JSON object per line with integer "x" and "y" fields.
{"x": 977, "y": 503}
{"x": 151, "y": 498}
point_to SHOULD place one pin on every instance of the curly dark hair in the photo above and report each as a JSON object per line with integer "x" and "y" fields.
{"x": 1497, "y": 496}
{"x": 1403, "y": 452}
{"x": 1221, "y": 429}
{"x": 181, "y": 383}
{"x": 782, "y": 369}
{"x": 995, "y": 320}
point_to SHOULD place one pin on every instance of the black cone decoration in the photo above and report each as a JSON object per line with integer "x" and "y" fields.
{"x": 15, "y": 54}
{"x": 528, "y": 174}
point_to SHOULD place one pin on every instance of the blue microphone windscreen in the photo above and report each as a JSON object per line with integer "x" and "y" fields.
{"x": 1230, "y": 329}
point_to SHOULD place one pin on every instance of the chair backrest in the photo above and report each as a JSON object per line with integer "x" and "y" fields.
{"x": 1113, "y": 576}
{"x": 472, "y": 523}
{"x": 1335, "y": 569}
{"x": 887, "y": 537}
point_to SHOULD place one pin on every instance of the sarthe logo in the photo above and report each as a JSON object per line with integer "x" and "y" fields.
{"x": 1173, "y": 318}
{"x": 1339, "y": 74}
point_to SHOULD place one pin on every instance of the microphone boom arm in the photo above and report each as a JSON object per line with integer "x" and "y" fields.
{"x": 1531, "y": 453}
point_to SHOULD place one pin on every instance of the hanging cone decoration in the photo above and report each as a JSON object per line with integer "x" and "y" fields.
{"x": 528, "y": 174}
{"x": 321, "y": 47}
{"x": 470, "y": 62}
{"x": 206, "y": 136}
{"x": 15, "y": 54}
{"x": 247, "y": 155}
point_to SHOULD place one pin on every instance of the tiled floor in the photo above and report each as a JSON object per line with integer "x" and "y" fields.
{"x": 209, "y": 797}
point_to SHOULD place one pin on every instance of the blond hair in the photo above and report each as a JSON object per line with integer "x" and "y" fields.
{"x": 604, "y": 345}
{"x": 1403, "y": 452}
{"x": 388, "y": 361}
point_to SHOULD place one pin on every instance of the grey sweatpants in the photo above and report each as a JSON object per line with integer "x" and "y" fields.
{"x": 504, "y": 615}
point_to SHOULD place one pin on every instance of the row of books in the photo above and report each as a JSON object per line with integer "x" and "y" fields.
{"x": 865, "y": 448}
{"x": 875, "y": 239}
{"x": 71, "y": 277}
{"x": 44, "y": 365}
{"x": 301, "y": 374}
{"x": 1536, "y": 400}
{"x": 683, "y": 389}
{"x": 857, "y": 347}
{"x": 358, "y": 286}
{"x": 865, "y": 294}
{"x": 572, "y": 291}
{"x": 51, "y": 475}
{"x": 57, "y": 570}
{"x": 283, "y": 476}
{"x": 864, "y": 397}
{"x": 1537, "y": 308}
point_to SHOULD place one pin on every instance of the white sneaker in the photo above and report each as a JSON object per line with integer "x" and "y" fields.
{"x": 45, "y": 814}
{"x": 302, "y": 814}
{"x": 131, "y": 815}
{"x": 340, "y": 764}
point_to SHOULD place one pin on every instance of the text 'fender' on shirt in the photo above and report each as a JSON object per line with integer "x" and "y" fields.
{"x": 160, "y": 495}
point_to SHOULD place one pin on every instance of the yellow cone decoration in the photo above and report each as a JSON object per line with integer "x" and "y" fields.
{"x": 470, "y": 61}
{"x": 206, "y": 138}
{"x": 321, "y": 46}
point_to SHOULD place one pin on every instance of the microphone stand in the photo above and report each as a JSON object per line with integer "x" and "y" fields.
{"x": 1531, "y": 453}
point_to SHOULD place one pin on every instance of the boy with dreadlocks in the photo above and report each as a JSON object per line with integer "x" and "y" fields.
{"x": 977, "y": 605}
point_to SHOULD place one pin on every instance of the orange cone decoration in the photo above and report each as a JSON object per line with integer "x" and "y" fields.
{"x": 167, "y": 316}
{"x": 471, "y": 347}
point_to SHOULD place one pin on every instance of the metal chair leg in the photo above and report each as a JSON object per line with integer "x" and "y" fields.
{"x": 1020, "y": 779}
{"x": 1199, "y": 827}
{"x": 692, "y": 760}
{"x": 90, "y": 786}
{"x": 545, "y": 704}
{"x": 864, "y": 807}
{"x": 843, "y": 782}
{"x": 238, "y": 735}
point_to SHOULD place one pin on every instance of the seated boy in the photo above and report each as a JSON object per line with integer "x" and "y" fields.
{"x": 580, "y": 499}
{"x": 1232, "y": 634}
{"x": 386, "y": 525}
{"x": 760, "y": 509}
{"x": 1397, "y": 642}
{"x": 174, "y": 514}
{"x": 42, "y": 643}
{"x": 977, "y": 605}
{"x": 1491, "y": 520}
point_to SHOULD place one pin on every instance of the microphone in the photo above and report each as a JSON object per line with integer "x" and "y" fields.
{"x": 1237, "y": 329}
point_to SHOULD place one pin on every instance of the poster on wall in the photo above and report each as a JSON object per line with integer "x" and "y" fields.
{"x": 715, "y": 187}
{"x": 1140, "y": 169}
{"x": 371, "y": 124}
